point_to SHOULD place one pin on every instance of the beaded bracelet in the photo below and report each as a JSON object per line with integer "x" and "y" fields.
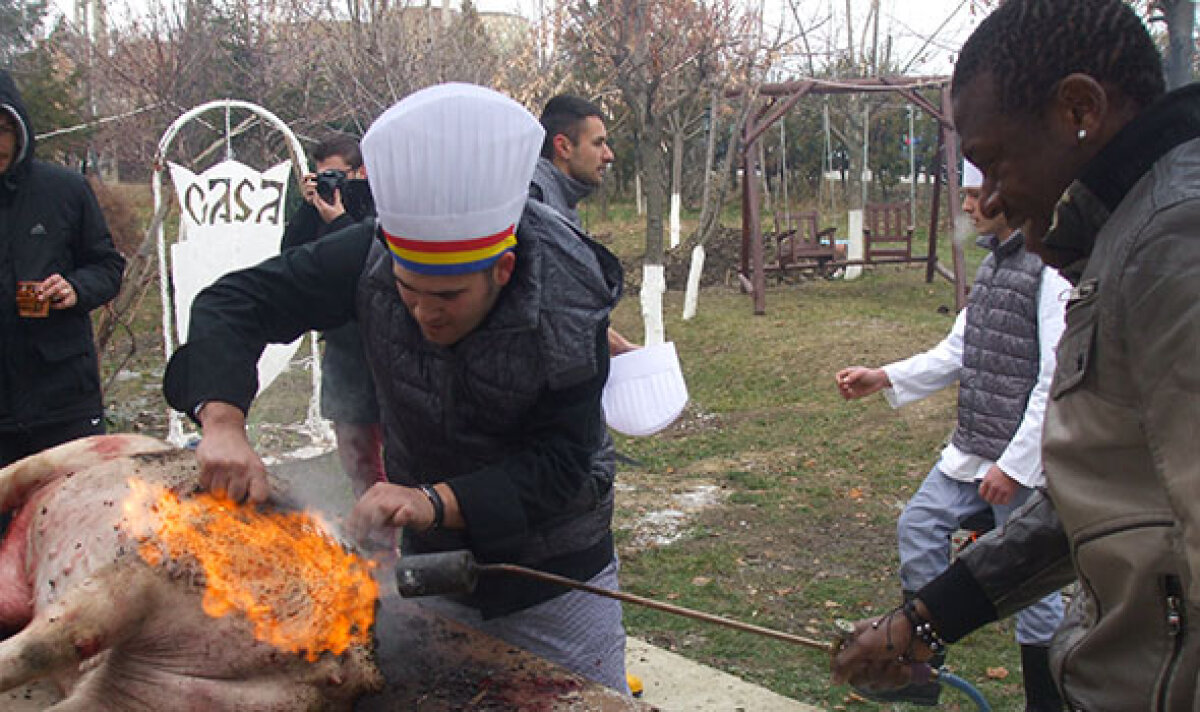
{"x": 923, "y": 629}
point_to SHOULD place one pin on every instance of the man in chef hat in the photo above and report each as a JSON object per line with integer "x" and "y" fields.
{"x": 1000, "y": 351}
{"x": 484, "y": 321}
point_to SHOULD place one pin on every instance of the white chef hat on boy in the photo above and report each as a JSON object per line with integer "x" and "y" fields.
{"x": 972, "y": 177}
{"x": 449, "y": 169}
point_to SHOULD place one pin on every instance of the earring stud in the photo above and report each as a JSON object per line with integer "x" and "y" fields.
{"x": 1082, "y": 135}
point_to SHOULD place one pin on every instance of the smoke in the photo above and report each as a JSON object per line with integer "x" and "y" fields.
{"x": 963, "y": 229}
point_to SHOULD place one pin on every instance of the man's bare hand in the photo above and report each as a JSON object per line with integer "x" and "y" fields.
{"x": 228, "y": 464}
{"x": 329, "y": 211}
{"x": 859, "y": 381}
{"x": 618, "y": 344}
{"x": 308, "y": 187}
{"x": 996, "y": 487}
{"x": 58, "y": 291}
{"x": 388, "y": 506}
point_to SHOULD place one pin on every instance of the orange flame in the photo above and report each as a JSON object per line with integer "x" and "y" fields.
{"x": 283, "y": 571}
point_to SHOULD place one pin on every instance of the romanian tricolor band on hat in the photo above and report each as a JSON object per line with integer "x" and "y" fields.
{"x": 450, "y": 256}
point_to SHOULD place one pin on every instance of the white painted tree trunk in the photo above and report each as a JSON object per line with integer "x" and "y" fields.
{"x": 854, "y": 250}
{"x": 637, "y": 194}
{"x": 676, "y": 182}
{"x": 654, "y": 285}
{"x": 674, "y": 229}
{"x": 692, "y": 295}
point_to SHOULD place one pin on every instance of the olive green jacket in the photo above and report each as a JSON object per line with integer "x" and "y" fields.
{"x": 1121, "y": 442}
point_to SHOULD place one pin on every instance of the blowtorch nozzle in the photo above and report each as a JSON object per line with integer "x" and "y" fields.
{"x": 440, "y": 574}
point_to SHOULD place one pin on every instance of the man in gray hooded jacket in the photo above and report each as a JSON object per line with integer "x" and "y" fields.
{"x": 575, "y": 157}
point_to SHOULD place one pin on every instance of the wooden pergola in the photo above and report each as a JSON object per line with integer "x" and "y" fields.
{"x": 782, "y": 98}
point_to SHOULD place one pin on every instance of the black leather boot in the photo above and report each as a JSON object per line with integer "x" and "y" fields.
{"x": 1041, "y": 694}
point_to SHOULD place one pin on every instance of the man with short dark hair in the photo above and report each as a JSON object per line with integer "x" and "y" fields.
{"x": 54, "y": 239}
{"x": 336, "y": 152}
{"x": 483, "y": 315}
{"x": 575, "y": 157}
{"x": 347, "y": 389}
{"x": 575, "y": 154}
{"x": 1061, "y": 103}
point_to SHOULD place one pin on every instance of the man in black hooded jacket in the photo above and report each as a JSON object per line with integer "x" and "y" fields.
{"x": 53, "y": 235}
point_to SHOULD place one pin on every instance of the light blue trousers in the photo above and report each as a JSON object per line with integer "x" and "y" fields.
{"x": 924, "y": 530}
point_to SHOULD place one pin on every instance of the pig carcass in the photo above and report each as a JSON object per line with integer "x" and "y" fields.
{"x": 117, "y": 630}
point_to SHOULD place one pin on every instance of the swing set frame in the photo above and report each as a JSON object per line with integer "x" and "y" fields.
{"x": 778, "y": 100}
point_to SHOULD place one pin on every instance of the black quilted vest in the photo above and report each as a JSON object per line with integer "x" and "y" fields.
{"x": 451, "y": 411}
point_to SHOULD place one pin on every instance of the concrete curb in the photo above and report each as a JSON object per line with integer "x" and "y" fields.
{"x": 675, "y": 684}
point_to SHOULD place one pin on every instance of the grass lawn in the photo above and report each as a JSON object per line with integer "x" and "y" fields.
{"x": 771, "y": 500}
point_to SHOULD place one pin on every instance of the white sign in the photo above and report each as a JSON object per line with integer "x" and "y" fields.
{"x": 231, "y": 218}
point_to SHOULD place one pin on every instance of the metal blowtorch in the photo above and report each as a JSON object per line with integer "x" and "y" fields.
{"x": 456, "y": 572}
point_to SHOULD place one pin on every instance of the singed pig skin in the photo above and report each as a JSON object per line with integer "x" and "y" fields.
{"x": 117, "y": 634}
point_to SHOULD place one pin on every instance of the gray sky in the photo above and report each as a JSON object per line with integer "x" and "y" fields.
{"x": 909, "y": 22}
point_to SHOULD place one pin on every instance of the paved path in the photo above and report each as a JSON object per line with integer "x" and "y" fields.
{"x": 675, "y": 684}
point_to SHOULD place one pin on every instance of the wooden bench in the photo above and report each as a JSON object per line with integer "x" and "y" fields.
{"x": 887, "y": 232}
{"x": 803, "y": 245}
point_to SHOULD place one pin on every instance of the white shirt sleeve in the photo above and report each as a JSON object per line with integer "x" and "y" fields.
{"x": 1022, "y": 459}
{"x": 927, "y": 373}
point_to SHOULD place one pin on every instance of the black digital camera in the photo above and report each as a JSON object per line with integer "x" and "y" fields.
{"x": 329, "y": 183}
{"x": 356, "y": 192}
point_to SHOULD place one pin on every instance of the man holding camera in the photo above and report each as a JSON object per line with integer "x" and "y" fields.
{"x": 347, "y": 390}
{"x": 338, "y": 159}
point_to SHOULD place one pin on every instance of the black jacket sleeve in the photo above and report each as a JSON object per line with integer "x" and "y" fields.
{"x": 1010, "y": 568}
{"x": 503, "y": 501}
{"x": 98, "y": 265}
{"x": 306, "y": 226}
{"x": 302, "y": 228}
{"x": 232, "y": 321}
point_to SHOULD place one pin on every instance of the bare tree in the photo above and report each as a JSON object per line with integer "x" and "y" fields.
{"x": 660, "y": 54}
{"x": 1180, "y": 18}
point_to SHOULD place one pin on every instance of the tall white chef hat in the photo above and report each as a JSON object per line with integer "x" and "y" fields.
{"x": 972, "y": 177}
{"x": 449, "y": 169}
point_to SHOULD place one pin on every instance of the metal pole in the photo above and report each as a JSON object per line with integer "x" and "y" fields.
{"x": 821, "y": 645}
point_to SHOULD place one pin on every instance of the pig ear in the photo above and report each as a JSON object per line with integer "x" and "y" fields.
{"x": 23, "y": 477}
{"x": 89, "y": 619}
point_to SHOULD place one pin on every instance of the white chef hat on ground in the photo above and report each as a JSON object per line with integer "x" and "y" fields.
{"x": 449, "y": 169}
{"x": 972, "y": 177}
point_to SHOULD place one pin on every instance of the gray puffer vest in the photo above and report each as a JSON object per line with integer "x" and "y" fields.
{"x": 456, "y": 410}
{"x": 1001, "y": 353}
